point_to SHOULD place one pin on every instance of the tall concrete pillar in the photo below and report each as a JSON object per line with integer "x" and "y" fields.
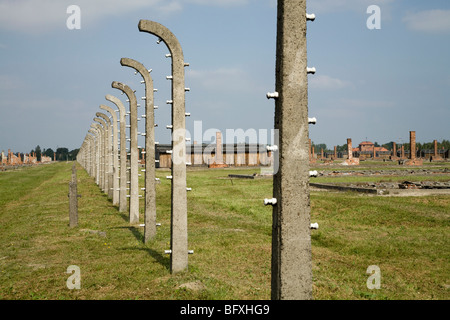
{"x": 179, "y": 238}
{"x": 435, "y": 148}
{"x": 103, "y": 152}
{"x": 108, "y": 154}
{"x": 150, "y": 184}
{"x": 394, "y": 151}
{"x": 291, "y": 240}
{"x": 134, "y": 152}
{"x": 123, "y": 202}
{"x": 335, "y": 152}
{"x": 98, "y": 148}
{"x": 115, "y": 160}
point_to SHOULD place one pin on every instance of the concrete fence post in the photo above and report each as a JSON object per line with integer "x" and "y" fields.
{"x": 123, "y": 203}
{"x": 114, "y": 155}
{"x": 150, "y": 184}
{"x": 134, "y": 182}
{"x": 103, "y": 161}
{"x": 108, "y": 153}
{"x": 73, "y": 199}
{"x": 179, "y": 237}
{"x": 291, "y": 239}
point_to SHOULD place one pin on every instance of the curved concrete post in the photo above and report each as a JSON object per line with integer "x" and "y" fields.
{"x": 115, "y": 160}
{"x": 102, "y": 154}
{"x": 134, "y": 182}
{"x": 90, "y": 140}
{"x": 98, "y": 158}
{"x": 123, "y": 203}
{"x": 93, "y": 153}
{"x": 179, "y": 238}
{"x": 108, "y": 154}
{"x": 150, "y": 185}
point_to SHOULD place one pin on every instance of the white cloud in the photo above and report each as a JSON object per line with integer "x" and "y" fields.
{"x": 432, "y": 21}
{"x": 367, "y": 104}
{"x": 324, "y": 82}
{"x": 219, "y": 2}
{"x": 40, "y": 16}
{"x": 233, "y": 79}
{"x": 326, "y": 6}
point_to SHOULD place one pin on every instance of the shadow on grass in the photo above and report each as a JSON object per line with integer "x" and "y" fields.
{"x": 159, "y": 257}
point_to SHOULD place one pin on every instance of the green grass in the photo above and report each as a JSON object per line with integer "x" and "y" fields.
{"x": 230, "y": 233}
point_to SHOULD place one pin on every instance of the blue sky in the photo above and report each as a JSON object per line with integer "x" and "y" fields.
{"x": 370, "y": 84}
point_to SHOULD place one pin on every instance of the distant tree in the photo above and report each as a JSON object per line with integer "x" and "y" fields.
{"x": 73, "y": 154}
{"x": 38, "y": 153}
{"x": 62, "y": 154}
{"x": 48, "y": 152}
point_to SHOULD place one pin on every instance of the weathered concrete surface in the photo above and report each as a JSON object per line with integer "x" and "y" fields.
{"x": 73, "y": 199}
{"x": 103, "y": 157}
{"x": 134, "y": 152}
{"x": 115, "y": 159}
{"x": 108, "y": 154}
{"x": 150, "y": 185}
{"x": 123, "y": 202}
{"x": 291, "y": 239}
{"x": 179, "y": 238}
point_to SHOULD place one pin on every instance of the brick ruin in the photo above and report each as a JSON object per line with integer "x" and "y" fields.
{"x": 21, "y": 159}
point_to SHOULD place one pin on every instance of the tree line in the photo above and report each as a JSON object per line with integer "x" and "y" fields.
{"x": 62, "y": 154}
{"x": 444, "y": 144}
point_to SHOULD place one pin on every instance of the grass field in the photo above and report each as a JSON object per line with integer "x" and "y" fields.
{"x": 230, "y": 233}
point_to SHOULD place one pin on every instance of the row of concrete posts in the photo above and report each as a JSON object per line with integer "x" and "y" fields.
{"x": 104, "y": 154}
{"x": 291, "y": 239}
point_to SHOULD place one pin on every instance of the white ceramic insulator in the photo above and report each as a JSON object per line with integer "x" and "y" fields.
{"x": 311, "y": 70}
{"x": 143, "y": 98}
{"x": 188, "y": 139}
{"x": 168, "y": 55}
{"x": 312, "y": 120}
{"x": 190, "y": 251}
{"x": 188, "y": 189}
{"x": 272, "y": 95}
{"x": 167, "y": 251}
{"x": 314, "y": 225}
{"x": 169, "y": 101}
{"x": 187, "y": 89}
{"x": 272, "y": 148}
{"x": 168, "y": 151}
{"x": 169, "y": 177}
{"x": 169, "y": 126}
{"x": 187, "y": 114}
{"x": 169, "y": 77}
{"x": 313, "y": 173}
{"x": 272, "y": 201}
